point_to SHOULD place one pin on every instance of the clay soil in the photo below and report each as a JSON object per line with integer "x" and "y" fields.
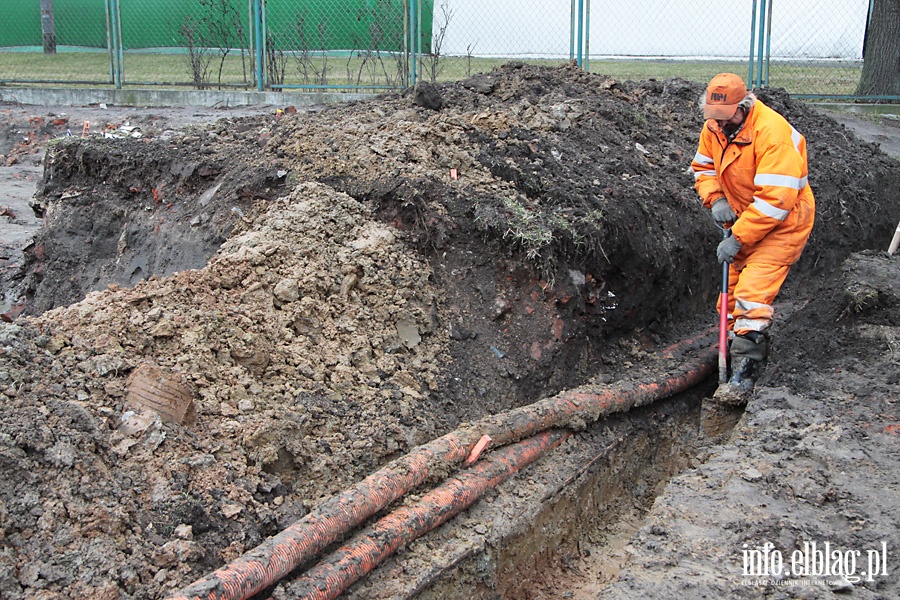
{"x": 332, "y": 287}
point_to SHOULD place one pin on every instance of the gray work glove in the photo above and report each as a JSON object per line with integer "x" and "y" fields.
{"x": 722, "y": 213}
{"x": 728, "y": 249}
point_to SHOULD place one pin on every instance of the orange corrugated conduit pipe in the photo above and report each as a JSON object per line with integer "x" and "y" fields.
{"x": 366, "y": 550}
{"x": 692, "y": 361}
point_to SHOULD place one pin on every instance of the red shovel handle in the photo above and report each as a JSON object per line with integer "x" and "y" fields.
{"x": 723, "y": 319}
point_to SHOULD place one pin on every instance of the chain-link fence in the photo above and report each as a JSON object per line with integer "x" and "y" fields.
{"x": 815, "y": 47}
{"x": 204, "y": 43}
{"x": 338, "y": 43}
{"x": 55, "y": 41}
{"x": 810, "y": 47}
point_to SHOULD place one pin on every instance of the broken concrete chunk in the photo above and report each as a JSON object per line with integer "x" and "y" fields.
{"x": 751, "y": 474}
{"x": 287, "y": 290}
{"x": 134, "y": 423}
{"x": 408, "y": 332}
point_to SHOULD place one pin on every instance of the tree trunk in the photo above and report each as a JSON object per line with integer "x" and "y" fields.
{"x": 48, "y": 27}
{"x": 881, "y": 65}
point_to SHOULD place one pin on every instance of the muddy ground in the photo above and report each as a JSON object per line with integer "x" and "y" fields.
{"x": 333, "y": 287}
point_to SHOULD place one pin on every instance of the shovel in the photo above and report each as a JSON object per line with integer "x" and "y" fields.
{"x": 723, "y": 319}
{"x": 717, "y": 417}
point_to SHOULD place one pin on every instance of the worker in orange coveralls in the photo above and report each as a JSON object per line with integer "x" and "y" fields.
{"x": 751, "y": 172}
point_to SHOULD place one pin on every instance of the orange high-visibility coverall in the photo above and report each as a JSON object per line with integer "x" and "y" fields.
{"x": 762, "y": 173}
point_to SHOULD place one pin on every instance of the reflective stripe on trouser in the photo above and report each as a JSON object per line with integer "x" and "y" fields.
{"x": 751, "y": 292}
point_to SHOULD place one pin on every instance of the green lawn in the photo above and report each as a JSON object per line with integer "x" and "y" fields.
{"x": 169, "y": 69}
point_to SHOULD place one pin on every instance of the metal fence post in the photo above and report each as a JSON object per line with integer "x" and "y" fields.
{"x": 761, "y": 41}
{"x": 120, "y": 49}
{"x": 414, "y": 36}
{"x": 406, "y": 34}
{"x": 587, "y": 35}
{"x": 114, "y": 42}
{"x": 572, "y": 32}
{"x": 752, "y": 43}
{"x": 109, "y": 41}
{"x": 260, "y": 42}
{"x": 419, "y": 35}
{"x": 251, "y": 42}
{"x": 580, "y": 60}
{"x": 768, "y": 42}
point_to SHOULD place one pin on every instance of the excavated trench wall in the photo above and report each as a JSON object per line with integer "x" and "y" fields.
{"x": 115, "y": 214}
{"x": 566, "y": 516}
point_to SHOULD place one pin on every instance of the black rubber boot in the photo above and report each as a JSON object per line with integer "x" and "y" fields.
{"x": 748, "y": 353}
{"x": 744, "y": 373}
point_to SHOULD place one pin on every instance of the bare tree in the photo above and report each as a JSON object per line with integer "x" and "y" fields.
{"x": 312, "y": 70}
{"x": 881, "y": 51}
{"x": 383, "y": 40}
{"x": 276, "y": 62}
{"x": 433, "y": 62}
{"x": 216, "y": 31}
{"x": 323, "y": 74}
{"x": 224, "y": 30}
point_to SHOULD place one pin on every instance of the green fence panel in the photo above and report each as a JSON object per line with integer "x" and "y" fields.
{"x": 348, "y": 24}
{"x": 80, "y": 43}
{"x": 341, "y": 25}
{"x": 342, "y": 44}
{"x": 22, "y": 25}
{"x": 200, "y": 43}
{"x": 209, "y": 43}
{"x": 79, "y": 23}
{"x": 149, "y": 24}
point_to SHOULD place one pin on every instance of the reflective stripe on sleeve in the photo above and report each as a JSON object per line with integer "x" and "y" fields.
{"x": 795, "y": 183}
{"x": 702, "y": 159}
{"x": 796, "y": 138}
{"x": 779, "y": 214}
{"x": 699, "y": 174}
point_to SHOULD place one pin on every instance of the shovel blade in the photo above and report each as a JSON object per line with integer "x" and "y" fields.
{"x": 719, "y": 414}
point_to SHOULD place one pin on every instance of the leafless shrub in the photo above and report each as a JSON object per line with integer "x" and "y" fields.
{"x": 276, "y": 62}
{"x": 312, "y": 65}
{"x": 433, "y": 63}
{"x": 199, "y": 57}
{"x": 469, "y": 50}
{"x": 226, "y": 32}
{"x": 217, "y": 31}
{"x": 380, "y": 56}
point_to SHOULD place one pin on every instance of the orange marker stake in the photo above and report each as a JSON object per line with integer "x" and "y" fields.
{"x": 86, "y": 130}
{"x": 478, "y": 449}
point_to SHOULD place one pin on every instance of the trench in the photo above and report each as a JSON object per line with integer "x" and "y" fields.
{"x": 567, "y": 537}
{"x": 606, "y": 417}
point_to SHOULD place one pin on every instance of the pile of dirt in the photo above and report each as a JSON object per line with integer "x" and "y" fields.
{"x": 334, "y": 287}
{"x": 24, "y": 137}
